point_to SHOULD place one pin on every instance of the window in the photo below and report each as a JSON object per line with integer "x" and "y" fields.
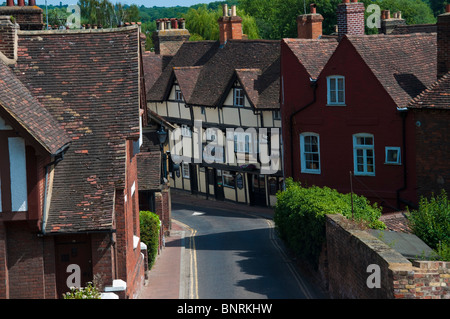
{"x": 310, "y": 153}
{"x": 238, "y": 97}
{"x": 185, "y": 170}
{"x": 178, "y": 96}
{"x": 228, "y": 179}
{"x": 186, "y": 131}
{"x": 364, "y": 154}
{"x": 276, "y": 115}
{"x": 242, "y": 142}
{"x": 336, "y": 90}
{"x": 393, "y": 155}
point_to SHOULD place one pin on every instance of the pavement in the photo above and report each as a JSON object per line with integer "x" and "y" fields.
{"x": 165, "y": 278}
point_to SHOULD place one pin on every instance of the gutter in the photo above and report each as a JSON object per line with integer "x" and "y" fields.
{"x": 58, "y": 157}
{"x": 313, "y": 83}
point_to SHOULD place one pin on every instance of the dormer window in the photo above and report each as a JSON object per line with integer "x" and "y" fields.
{"x": 336, "y": 90}
{"x": 238, "y": 97}
{"x": 178, "y": 96}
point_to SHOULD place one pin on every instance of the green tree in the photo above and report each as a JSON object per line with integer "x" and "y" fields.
{"x": 202, "y": 23}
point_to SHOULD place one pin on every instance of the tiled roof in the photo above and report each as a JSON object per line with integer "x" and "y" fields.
{"x": 397, "y": 222}
{"x": 89, "y": 81}
{"x": 29, "y": 113}
{"x": 404, "y": 64}
{"x": 218, "y": 74}
{"x": 312, "y": 54}
{"x": 149, "y": 173}
{"x": 414, "y": 28}
{"x": 207, "y": 86}
{"x": 191, "y": 53}
{"x": 435, "y": 97}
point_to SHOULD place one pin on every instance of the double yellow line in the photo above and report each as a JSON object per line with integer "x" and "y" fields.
{"x": 193, "y": 275}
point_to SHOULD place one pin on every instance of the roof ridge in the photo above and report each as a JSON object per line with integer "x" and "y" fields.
{"x": 77, "y": 31}
{"x": 438, "y": 82}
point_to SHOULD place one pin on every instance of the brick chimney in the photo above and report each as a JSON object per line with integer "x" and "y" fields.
{"x": 443, "y": 42}
{"x": 230, "y": 25}
{"x": 28, "y": 17}
{"x": 169, "y": 36}
{"x": 350, "y": 16}
{"x": 309, "y": 26}
{"x": 388, "y": 23}
{"x": 8, "y": 39}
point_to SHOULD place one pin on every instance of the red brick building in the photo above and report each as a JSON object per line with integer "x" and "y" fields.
{"x": 346, "y": 110}
{"x": 72, "y": 111}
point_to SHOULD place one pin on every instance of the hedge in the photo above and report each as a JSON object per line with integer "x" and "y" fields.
{"x": 300, "y": 215}
{"x": 431, "y": 223}
{"x": 150, "y": 227}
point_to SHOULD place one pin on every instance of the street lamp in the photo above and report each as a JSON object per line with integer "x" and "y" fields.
{"x": 162, "y": 136}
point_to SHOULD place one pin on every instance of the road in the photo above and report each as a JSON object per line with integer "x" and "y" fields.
{"x": 232, "y": 254}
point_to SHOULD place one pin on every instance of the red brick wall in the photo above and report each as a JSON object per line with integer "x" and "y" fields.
{"x": 309, "y": 26}
{"x": 4, "y": 281}
{"x": 8, "y": 33}
{"x": 350, "y": 18}
{"x": 443, "y": 40}
{"x": 103, "y": 260}
{"x": 432, "y": 151}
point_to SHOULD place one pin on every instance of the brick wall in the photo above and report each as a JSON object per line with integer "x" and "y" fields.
{"x": 309, "y": 26}
{"x": 350, "y": 18}
{"x": 8, "y": 37}
{"x": 4, "y": 282}
{"x": 443, "y": 41}
{"x": 349, "y": 251}
{"x": 432, "y": 151}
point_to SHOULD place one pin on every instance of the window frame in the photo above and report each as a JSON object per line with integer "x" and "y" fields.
{"x": 336, "y": 90}
{"x": 240, "y": 97}
{"x": 245, "y": 139}
{"x": 364, "y": 148}
{"x": 183, "y": 173}
{"x": 179, "y": 95}
{"x": 303, "y": 166}
{"x": 276, "y": 115}
{"x": 231, "y": 175}
{"x": 399, "y": 155}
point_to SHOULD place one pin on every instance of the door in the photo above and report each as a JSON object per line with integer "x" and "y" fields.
{"x": 257, "y": 189}
{"x": 218, "y": 185}
{"x": 193, "y": 178}
{"x": 70, "y": 250}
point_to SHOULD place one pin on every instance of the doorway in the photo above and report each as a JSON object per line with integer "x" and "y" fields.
{"x": 257, "y": 189}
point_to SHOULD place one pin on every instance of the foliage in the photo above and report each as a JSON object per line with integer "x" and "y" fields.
{"x": 89, "y": 292}
{"x": 150, "y": 226}
{"x": 202, "y": 23}
{"x": 300, "y": 215}
{"x": 431, "y": 223}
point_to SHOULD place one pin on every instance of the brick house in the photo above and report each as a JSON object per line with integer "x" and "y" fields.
{"x": 353, "y": 120}
{"x": 72, "y": 117}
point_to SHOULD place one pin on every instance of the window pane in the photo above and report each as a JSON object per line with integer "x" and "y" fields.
{"x": 340, "y": 97}
{"x": 341, "y": 84}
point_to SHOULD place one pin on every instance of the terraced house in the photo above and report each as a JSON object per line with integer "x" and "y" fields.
{"x": 72, "y": 112}
{"x": 224, "y": 98}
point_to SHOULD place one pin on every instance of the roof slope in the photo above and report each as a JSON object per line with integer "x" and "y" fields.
{"x": 89, "y": 81}
{"x": 29, "y": 113}
{"x": 404, "y": 64}
{"x": 435, "y": 97}
{"x": 219, "y": 72}
{"x": 191, "y": 53}
{"x": 312, "y": 54}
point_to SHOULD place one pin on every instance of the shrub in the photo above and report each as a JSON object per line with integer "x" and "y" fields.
{"x": 88, "y": 292}
{"x": 431, "y": 223}
{"x": 150, "y": 226}
{"x": 300, "y": 215}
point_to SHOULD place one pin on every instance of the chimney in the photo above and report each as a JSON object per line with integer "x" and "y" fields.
{"x": 309, "y": 26}
{"x": 169, "y": 36}
{"x": 230, "y": 25}
{"x": 28, "y": 17}
{"x": 8, "y": 40}
{"x": 388, "y": 24}
{"x": 350, "y": 16}
{"x": 443, "y": 43}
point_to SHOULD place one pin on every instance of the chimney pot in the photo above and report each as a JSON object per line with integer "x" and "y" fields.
{"x": 225, "y": 10}
{"x": 21, "y": 3}
{"x": 233, "y": 11}
{"x": 32, "y": 2}
{"x": 10, "y": 3}
{"x": 313, "y": 8}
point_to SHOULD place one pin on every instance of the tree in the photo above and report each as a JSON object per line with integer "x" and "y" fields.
{"x": 202, "y": 23}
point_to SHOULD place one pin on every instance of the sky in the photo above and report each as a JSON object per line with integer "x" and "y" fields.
{"x": 147, "y": 3}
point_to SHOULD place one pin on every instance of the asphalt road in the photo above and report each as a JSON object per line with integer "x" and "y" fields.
{"x": 236, "y": 255}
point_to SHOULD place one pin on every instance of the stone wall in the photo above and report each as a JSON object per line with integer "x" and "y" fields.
{"x": 349, "y": 254}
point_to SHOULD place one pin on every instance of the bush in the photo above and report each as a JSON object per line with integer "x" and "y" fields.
{"x": 300, "y": 215}
{"x": 150, "y": 226}
{"x": 89, "y": 292}
{"x": 431, "y": 223}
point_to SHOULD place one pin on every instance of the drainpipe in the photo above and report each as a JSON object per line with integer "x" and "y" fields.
{"x": 313, "y": 83}
{"x": 58, "y": 157}
{"x": 403, "y": 114}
